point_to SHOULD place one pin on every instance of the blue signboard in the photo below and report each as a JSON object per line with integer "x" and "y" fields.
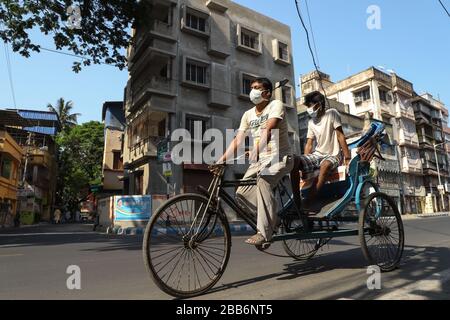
{"x": 132, "y": 208}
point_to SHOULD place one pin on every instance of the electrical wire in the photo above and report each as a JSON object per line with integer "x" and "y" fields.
{"x": 443, "y": 6}
{"x": 312, "y": 33}
{"x": 311, "y": 51}
{"x": 8, "y": 65}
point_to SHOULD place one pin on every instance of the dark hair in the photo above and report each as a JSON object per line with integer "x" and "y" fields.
{"x": 266, "y": 83}
{"x": 313, "y": 98}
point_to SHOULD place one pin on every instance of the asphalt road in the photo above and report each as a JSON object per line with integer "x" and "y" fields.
{"x": 34, "y": 262}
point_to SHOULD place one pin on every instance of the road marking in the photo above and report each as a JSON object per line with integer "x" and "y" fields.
{"x": 11, "y": 255}
{"x": 45, "y": 234}
{"x": 412, "y": 291}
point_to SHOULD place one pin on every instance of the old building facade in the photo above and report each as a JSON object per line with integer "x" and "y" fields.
{"x": 191, "y": 68}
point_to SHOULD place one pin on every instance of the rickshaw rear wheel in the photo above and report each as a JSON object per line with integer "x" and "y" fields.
{"x": 381, "y": 232}
{"x": 303, "y": 249}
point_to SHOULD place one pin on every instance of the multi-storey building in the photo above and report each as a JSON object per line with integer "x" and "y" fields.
{"x": 385, "y": 97}
{"x": 37, "y": 195}
{"x": 432, "y": 150}
{"x": 112, "y": 169}
{"x": 190, "y": 67}
{"x": 11, "y": 156}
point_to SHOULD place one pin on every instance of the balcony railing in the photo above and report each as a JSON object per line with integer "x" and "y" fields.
{"x": 406, "y": 113}
{"x": 152, "y": 83}
{"x": 147, "y": 147}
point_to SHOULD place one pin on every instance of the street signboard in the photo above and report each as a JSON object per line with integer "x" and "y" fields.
{"x": 132, "y": 208}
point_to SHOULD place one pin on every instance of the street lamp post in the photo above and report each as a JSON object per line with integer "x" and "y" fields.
{"x": 439, "y": 174}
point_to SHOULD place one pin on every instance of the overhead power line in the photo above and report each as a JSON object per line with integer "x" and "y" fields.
{"x": 312, "y": 33}
{"x": 443, "y": 6}
{"x": 311, "y": 51}
{"x": 8, "y": 66}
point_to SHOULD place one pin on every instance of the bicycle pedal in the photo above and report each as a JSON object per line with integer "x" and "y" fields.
{"x": 264, "y": 246}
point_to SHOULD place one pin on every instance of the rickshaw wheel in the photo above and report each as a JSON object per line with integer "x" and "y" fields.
{"x": 182, "y": 261}
{"x": 381, "y": 232}
{"x": 300, "y": 249}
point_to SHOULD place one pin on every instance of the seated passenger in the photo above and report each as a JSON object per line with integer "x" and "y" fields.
{"x": 325, "y": 128}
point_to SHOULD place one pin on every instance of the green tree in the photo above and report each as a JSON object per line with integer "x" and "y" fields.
{"x": 80, "y": 161}
{"x": 102, "y": 35}
{"x": 63, "y": 109}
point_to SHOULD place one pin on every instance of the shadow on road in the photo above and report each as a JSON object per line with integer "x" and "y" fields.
{"x": 418, "y": 263}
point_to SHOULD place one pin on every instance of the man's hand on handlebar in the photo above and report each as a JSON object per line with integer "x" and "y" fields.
{"x": 216, "y": 168}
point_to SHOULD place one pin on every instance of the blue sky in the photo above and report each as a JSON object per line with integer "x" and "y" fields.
{"x": 414, "y": 40}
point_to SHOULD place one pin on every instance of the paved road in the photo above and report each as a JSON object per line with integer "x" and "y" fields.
{"x": 33, "y": 263}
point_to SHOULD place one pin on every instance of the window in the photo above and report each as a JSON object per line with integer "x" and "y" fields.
{"x": 6, "y": 167}
{"x": 196, "y": 126}
{"x": 283, "y": 52}
{"x": 196, "y": 73}
{"x": 286, "y": 95}
{"x": 248, "y": 40}
{"x": 362, "y": 95}
{"x": 246, "y": 84}
{"x": 139, "y": 183}
{"x": 384, "y": 95}
{"x": 117, "y": 161}
{"x": 195, "y": 22}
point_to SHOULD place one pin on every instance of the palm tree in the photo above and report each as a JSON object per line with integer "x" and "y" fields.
{"x": 63, "y": 110}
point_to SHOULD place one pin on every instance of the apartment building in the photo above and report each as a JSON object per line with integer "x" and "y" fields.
{"x": 191, "y": 67}
{"x": 386, "y": 98}
{"x": 112, "y": 168}
{"x": 11, "y": 156}
{"x": 35, "y": 132}
{"x": 434, "y": 159}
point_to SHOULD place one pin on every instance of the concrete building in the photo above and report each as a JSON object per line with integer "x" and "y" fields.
{"x": 191, "y": 67}
{"x": 112, "y": 169}
{"x": 432, "y": 150}
{"x": 37, "y": 194}
{"x": 385, "y": 97}
{"x": 11, "y": 155}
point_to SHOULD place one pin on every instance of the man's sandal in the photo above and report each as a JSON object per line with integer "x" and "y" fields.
{"x": 256, "y": 240}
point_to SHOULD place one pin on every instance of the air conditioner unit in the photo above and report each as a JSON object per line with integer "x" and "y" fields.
{"x": 358, "y": 99}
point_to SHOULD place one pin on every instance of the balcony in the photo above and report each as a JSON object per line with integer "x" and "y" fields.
{"x": 425, "y": 139}
{"x": 406, "y": 113}
{"x": 387, "y": 109}
{"x": 408, "y": 138}
{"x": 411, "y": 165}
{"x": 144, "y": 148}
{"x": 151, "y": 85}
{"x": 39, "y": 156}
{"x": 157, "y": 30}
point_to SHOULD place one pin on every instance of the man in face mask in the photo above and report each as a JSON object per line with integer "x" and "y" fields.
{"x": 324, "y": 128}
{"x": 271, "y": 158}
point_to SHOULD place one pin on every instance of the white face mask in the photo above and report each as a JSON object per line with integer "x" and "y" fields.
{"x": 312, "y": 113}
{"x": 256, "y": 96}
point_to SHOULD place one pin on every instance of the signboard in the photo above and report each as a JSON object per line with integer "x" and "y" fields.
{"x": 132, "y": 208}
{"x": 163, "y": 151}
{"x": 167, "y": 169}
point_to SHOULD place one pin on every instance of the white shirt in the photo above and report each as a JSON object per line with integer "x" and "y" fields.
{"x": 254, "y": 123}
{"x": 324, "y": 133}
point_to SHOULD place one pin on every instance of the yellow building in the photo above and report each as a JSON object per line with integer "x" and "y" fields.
{"x": 11, "y": 155}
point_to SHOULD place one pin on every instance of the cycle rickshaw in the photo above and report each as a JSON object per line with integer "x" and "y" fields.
{"x": 187, "y": 242}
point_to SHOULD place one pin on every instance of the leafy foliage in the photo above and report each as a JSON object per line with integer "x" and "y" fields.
{"x": 102, "y": 37}
{"x": 80, "y": 158}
